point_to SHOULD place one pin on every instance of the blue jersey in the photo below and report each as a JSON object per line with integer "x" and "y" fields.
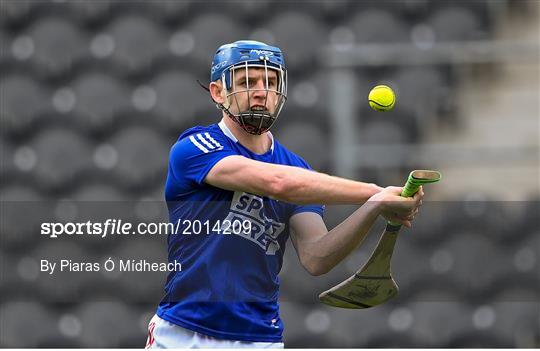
{"x": 230, "y": 244}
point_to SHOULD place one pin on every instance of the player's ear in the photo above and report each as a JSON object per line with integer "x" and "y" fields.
{"x": 216, "y": 91}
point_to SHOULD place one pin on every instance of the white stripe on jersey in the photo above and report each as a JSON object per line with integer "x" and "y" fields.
{"x": 196, "y": 143}
{"x": 205, "y": 142}
{"x": 212, "y": 139}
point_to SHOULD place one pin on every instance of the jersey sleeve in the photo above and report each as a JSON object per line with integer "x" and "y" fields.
{"x": 193, "y": 156}
{"x": 309, "y": 208}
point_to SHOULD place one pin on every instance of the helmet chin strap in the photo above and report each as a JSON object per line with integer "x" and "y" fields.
{"x": 252, "y": 122}
{"x": 255, "y": 122}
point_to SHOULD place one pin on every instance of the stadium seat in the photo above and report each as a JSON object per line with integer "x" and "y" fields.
{"x": 503, "y": 219}
{"x": 24, "y": 101}
{"x": 374, "y": 25}
{"x": 18, "y": 228}
{"x": 205, "y": 116}
{"x": 155, "y": 194}
{"x": 500, "y": 222}
{"x": 428, "y": 228}
{"x": 394, "y": 340}
{"x": 308, "y": 327}
{"x": 113, "y": 321}
{"x": 299, "y": 286}
{"x": 14, "y": 11}
{"x": 210, "y": 30}
{"x": 322, "y": 81}
{"x": 151, "y": 207}
{"x": 526, "y": 258}
{"x": 465, "y": 214}
{"x": 99, "y": 99}
{"x": 517, "y": 287}
{"x": 178, "y": 98}
{"x": 476, "y": 339}
{"x": 95, "y": 202}
{"x": 309, "y": 98}
{"x": 432, "y": 288}
{"x": 142, "y": 157}
{"x": 292, "y": 272}
{"x": 7, "y": 166}
{"x": 478, "y": 262}
{"x": 335, "y": 214}
{"x": 530, "y": 223}
{"x": 99, "y": 202}
{"x": 411, "y": 264}
{"x": 332, "y": 10}
{"x": 59, "y": 44}
{"x": 141, "y": 287}
{"x": 10, "y": 281}
{"x": 478, "y": 7}
{"x": 63, "y": 286}
{"x": 356, "y": 328}
{"x": 297, "y": 115}
{"x": 5, "y": 42}
{"x": 172, "y": 10}
{"x": 382, "y": 132}
{"x": 292, "y": 314}
{"x": 312, "y": 341}
{"x": 299, "y": 36}
{"x": 138, "y": 335}
{"x": 138, "y": 43}
{"x": 501, "y": 324}
{"x": 420, "y": 90}
{"x": 90, "y": 11}
{"x": 62, "y": 156}
{"x": 98, "y": 192}
{"x": 436, "y": 323}
{"x": 105, "y": 157}
{"x": 19, "y": 317}
{"x": 308, "y": 141}
{"x": 518, "y": 321}
{"x": 245, "y": 11}
{"x": 455, "y": 24}
{"x": 308, "y": 93}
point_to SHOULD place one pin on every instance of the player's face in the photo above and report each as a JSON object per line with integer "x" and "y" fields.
{"x": 251, "y": 92}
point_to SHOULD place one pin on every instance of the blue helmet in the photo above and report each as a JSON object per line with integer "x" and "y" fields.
{"x": 252, "y": 52}
{"x": 246, "y": 54}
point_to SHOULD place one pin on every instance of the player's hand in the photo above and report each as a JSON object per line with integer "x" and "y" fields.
{"x": 396, "y": 208}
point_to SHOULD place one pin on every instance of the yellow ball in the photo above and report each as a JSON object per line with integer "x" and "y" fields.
{"x": 382, "y": 98}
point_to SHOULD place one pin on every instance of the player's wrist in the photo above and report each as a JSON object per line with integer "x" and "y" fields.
{"x": 375, "y": 188}
{"x": 371, "y": 189}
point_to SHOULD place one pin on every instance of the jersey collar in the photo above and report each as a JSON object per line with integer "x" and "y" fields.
{"x": 231, "y": 136}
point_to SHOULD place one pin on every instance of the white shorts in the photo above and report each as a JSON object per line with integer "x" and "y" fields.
{"x": 166, "y": 335}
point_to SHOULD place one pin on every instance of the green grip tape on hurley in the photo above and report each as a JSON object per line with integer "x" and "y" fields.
{"x": 415, "y": 180}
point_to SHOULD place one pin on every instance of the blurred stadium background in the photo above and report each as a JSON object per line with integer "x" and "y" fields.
{"x": 93, "y": 94}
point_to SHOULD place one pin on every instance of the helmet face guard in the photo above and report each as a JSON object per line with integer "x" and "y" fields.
{"x": 254, "y": 120}
{"x": 230, "y": 59}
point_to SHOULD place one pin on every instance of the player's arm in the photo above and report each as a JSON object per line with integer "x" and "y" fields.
{"x": 320, "y": 250}
{"x": 287, "y": 183}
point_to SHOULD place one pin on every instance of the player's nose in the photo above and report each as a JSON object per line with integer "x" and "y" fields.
{"x": 259, "y": 89}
